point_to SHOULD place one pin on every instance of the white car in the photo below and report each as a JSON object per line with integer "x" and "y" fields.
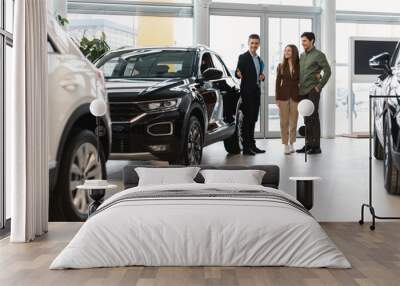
{"x": 73, "y": 83}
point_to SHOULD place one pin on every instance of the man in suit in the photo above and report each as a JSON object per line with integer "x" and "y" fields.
{"x": 312, "y": 62}
{"x": 250, "y": 70}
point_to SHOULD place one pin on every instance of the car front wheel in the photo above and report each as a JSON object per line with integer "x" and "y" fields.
{"x": 81, "y": 161}
{"x": 192, "y": 146}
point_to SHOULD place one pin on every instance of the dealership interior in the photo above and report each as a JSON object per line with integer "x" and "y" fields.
{"x": 62, "y": 60}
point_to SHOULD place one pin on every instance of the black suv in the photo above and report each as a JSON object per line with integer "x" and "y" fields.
{"x": 387, "y": 117}
{"x": 171, "y": 102}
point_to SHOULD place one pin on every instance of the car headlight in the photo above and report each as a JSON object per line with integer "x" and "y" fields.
{"x": 160, "y": 105}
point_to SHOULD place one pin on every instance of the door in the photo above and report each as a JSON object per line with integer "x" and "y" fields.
{"x": 276, "y": 32}
{"x": 281, "y": 31}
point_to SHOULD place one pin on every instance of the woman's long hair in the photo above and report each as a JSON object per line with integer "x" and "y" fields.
{"x": 295, "y": 59}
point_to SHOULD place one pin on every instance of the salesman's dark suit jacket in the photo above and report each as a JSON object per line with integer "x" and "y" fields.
{"x": 248, "y": 85}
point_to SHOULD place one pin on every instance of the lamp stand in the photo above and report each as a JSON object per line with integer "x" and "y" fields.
{"x": 100, "y": 130}
{"x": 305, "y": 141}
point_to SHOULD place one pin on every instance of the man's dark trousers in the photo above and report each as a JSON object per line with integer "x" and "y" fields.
{"x": 251, "y": 108}
{"x": 312, "y": 123}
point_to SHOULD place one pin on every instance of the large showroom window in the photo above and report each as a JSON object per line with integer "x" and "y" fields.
{"x": 272, "y": 2}
{"x": 276, "y": 32}
{"x": 6, "y": 29}
{"x": 281, "y": 32}
{"x": 361, "y": 90}
{"x": 137, "y": 31}
{"x": 230, "y": 43}
{"x": 369, "y": 5}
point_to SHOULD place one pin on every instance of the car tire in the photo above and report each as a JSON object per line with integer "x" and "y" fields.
{"x": 234, "y": 144}
{"x": 390, "y": 172}
{"x": 378, "y": 148}
{"x": 78, "y": 163}
{"x": 193, "y": 144}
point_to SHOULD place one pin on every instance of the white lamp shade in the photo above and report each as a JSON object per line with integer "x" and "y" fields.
{"x": 305, "y": 107}
{"x": 98, "y": 107}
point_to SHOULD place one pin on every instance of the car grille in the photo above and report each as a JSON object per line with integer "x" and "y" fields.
{"x": 123, "y": 112}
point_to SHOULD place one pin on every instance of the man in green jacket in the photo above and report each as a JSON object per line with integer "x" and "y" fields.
{"x": 312, "y": 62}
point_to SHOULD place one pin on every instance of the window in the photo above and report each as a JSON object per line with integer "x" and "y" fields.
{"x": 273, "y": 2}
{"x": 368, "y": 5}
{"x": 9, "y": 11}
{"x": 162, "y": 1}
{"x": 218, "y": 64}
{"x": 133, "y": 31}
{"x": 6, "y": 24}
{"x": 206, "y": 62}
{"x": 396, "y": 57}
{"x": 150, "y": 64}
{"x": 230, "y": 43}
{"x": 360, "y": 109}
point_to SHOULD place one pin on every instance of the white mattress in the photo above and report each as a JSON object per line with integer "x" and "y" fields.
{"x": 200, "y": 232}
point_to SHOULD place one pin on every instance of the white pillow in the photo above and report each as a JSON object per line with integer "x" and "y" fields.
{"x": 247, "y": 177}
{"x": 166, "y": 176}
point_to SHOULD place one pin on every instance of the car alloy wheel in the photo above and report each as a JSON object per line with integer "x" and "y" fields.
{"x": 84, "y": 166}
{"x": 194, "y": 144}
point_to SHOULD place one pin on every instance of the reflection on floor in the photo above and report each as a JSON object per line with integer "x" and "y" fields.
{"x": 343, "y": 167}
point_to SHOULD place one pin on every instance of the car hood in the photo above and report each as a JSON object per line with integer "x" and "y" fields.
{"x": 127, "y": 90}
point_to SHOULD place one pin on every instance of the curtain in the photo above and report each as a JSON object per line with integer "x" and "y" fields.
{"x": 26, "y": 123}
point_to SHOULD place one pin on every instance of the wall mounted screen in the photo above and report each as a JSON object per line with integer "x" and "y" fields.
{"x": 364, "y": 50}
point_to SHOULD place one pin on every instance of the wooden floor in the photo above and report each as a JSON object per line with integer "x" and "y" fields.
{"x": 375, "y": 257}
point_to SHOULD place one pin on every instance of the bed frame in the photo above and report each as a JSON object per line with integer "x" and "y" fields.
{"x": 270, "y": 179}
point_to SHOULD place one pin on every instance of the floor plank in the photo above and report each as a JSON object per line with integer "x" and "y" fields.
{"x": 375, "y": 257}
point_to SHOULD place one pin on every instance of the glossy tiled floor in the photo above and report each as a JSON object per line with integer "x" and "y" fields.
{"x": 343, "y": 167}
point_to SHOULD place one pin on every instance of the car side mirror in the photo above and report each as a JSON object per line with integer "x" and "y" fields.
{"x": 380, "y": 62}
{"x": 212, "y": 74}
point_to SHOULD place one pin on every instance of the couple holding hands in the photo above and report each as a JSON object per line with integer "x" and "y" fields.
{"x": 297, "y": 78}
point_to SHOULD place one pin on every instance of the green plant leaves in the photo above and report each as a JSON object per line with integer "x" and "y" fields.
{"x": 94, "y": 48}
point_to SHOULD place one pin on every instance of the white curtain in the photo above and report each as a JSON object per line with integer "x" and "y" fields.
{"x": 26, "y": 123}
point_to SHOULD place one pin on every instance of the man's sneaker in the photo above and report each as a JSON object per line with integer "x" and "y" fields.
{"x": 286, "y": 149}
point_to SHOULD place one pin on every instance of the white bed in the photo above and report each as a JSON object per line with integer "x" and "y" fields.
{"x": 200, "y": 231}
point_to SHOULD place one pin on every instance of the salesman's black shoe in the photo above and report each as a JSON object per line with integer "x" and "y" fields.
{"x": 248, "y": 152}
{"x": 313, "y": 151}
{"x": 302, "y": 150}
{"x": 257, "y": 151}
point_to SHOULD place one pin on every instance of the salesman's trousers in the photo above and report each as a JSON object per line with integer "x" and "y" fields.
{"x": 251, "y": 109}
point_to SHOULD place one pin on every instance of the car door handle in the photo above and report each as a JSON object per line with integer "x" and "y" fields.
{"x": 69, "y": 84}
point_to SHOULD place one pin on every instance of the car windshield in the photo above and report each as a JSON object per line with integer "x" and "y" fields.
{"x": 149, "y": 64}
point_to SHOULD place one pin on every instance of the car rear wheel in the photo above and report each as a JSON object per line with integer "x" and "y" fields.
{"x": 390, "y": 172}
{"x": 234, "y": 144}
{"x": 79, "y": 163}
{"x": 378, "y": 148}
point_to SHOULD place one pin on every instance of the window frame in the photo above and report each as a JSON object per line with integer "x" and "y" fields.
{"x": 6, "y": 40}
